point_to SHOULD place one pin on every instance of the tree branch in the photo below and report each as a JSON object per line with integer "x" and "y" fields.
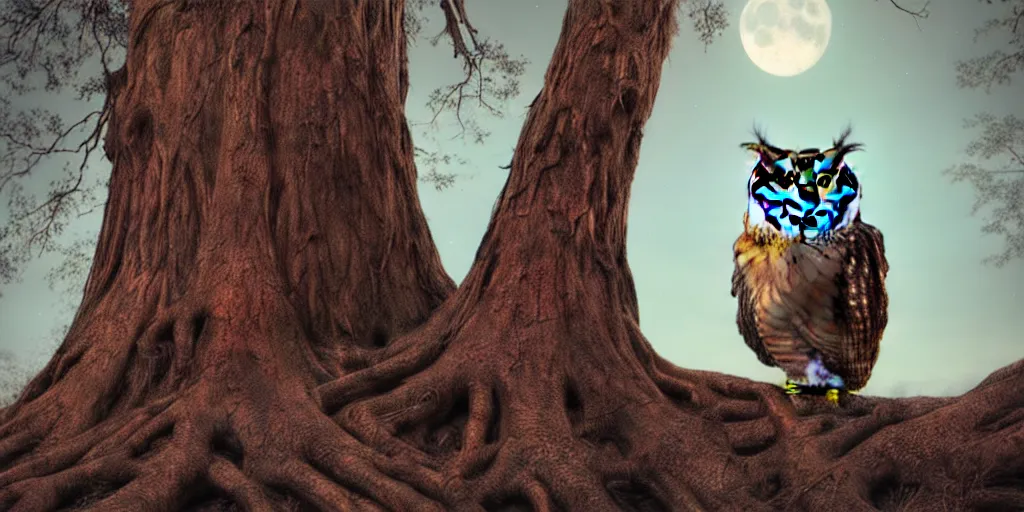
{"x": 491, "y": 78}
{"x": 57, "y": 39}
{"x": 481, "y": 60}
{"x": 920, "y": 13}
{"x": 709, "y": 18}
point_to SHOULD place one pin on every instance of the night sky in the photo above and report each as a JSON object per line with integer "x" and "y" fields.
{"x": 952, "y": 320}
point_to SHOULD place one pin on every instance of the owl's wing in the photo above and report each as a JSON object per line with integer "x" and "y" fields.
{"x": 865, "y": 315}
{"x": 746, "y": 315}
{"x": 838, "y": 296}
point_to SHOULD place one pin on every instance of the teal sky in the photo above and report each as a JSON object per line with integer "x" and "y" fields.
{"x": 952, "y": 320}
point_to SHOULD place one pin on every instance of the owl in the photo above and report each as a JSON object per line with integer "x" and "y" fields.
{"x": 809, "y": 273}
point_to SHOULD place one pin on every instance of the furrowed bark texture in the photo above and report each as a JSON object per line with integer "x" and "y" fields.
{"x": 532, "y": 388}
{"x": 267, "y": 325}
{"x": 262, "y": 226}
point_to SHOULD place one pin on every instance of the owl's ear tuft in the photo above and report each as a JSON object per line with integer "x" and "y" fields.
{"x": 762, "y": 145}
{"x": 765, "y": 150}
{"x": 842, "y": 147}
{"x": 759, "y": 135}
{"x": 842, "y": 136}
{"x": 764, "y": 153}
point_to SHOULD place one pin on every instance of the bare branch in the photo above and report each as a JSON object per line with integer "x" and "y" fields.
{"x": 920, "y": 13}
{"x": 491, "y": 78}
{"x": 46, "y": 48}
{"x": 491, "y": 74}
{"x": 917, "y": 15}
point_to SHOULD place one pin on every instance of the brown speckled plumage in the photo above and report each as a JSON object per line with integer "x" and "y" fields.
{"x": 798, "y": 298}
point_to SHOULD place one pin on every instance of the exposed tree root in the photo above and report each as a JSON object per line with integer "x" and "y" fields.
{"x": 224, "y": 287}
{"x": 229, "y": 308}
{"x": 504, "y": 432}
{"x": 194, "y": 449}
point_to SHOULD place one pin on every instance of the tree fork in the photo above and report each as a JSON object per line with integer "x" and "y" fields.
{"x": 538, "y": 339}
{"x": 533, "y": 385}
{"x": 199, "y": 376}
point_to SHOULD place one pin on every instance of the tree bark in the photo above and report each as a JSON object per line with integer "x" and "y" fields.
{"x": 262, "y": 230}
{"x": 264, "y": 268}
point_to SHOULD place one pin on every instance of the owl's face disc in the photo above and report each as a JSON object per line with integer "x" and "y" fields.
{"x": 805, "y": 192}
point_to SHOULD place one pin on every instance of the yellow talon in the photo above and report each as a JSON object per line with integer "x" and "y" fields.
{"x": 832, "y": 396}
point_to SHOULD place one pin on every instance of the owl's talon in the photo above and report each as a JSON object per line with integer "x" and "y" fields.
{"x": 792, "y": 388}
{"x": 832, "y": 396}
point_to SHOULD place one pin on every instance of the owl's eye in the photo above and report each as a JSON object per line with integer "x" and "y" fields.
{"x": 824, "y": 180}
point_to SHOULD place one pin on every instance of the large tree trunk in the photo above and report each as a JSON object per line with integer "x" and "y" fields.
{"x": 264, "y": 268}
{"x": 262, "y": 226}
{"x": 534, "y": 386}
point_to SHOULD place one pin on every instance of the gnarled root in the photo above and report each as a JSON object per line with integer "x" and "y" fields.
{"x": 200, "y": 449}
{"x": 502, "y": 430}
{"x": 957, "y": 453}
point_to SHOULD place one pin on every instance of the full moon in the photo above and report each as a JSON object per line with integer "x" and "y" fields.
{"x": 785, "y": 37}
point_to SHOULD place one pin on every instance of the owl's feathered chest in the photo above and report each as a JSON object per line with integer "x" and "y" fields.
{"x": 808, "y": 301}
{"x": 789, "y": 278}
{"x": 768, "y": 257}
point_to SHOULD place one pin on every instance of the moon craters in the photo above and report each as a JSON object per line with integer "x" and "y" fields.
{"x": 785, "y": 37}
{"x": 761, "y": 24}
{"x": 803, "y": 28}
{"x": 798, "y": 17}
{"x": 766, "y": 16}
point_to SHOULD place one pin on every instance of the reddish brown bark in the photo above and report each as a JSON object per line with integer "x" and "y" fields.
{"x": 262, "y": 225}
{"x": 533, "y": 384}
{"x": 264, "y": 261}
